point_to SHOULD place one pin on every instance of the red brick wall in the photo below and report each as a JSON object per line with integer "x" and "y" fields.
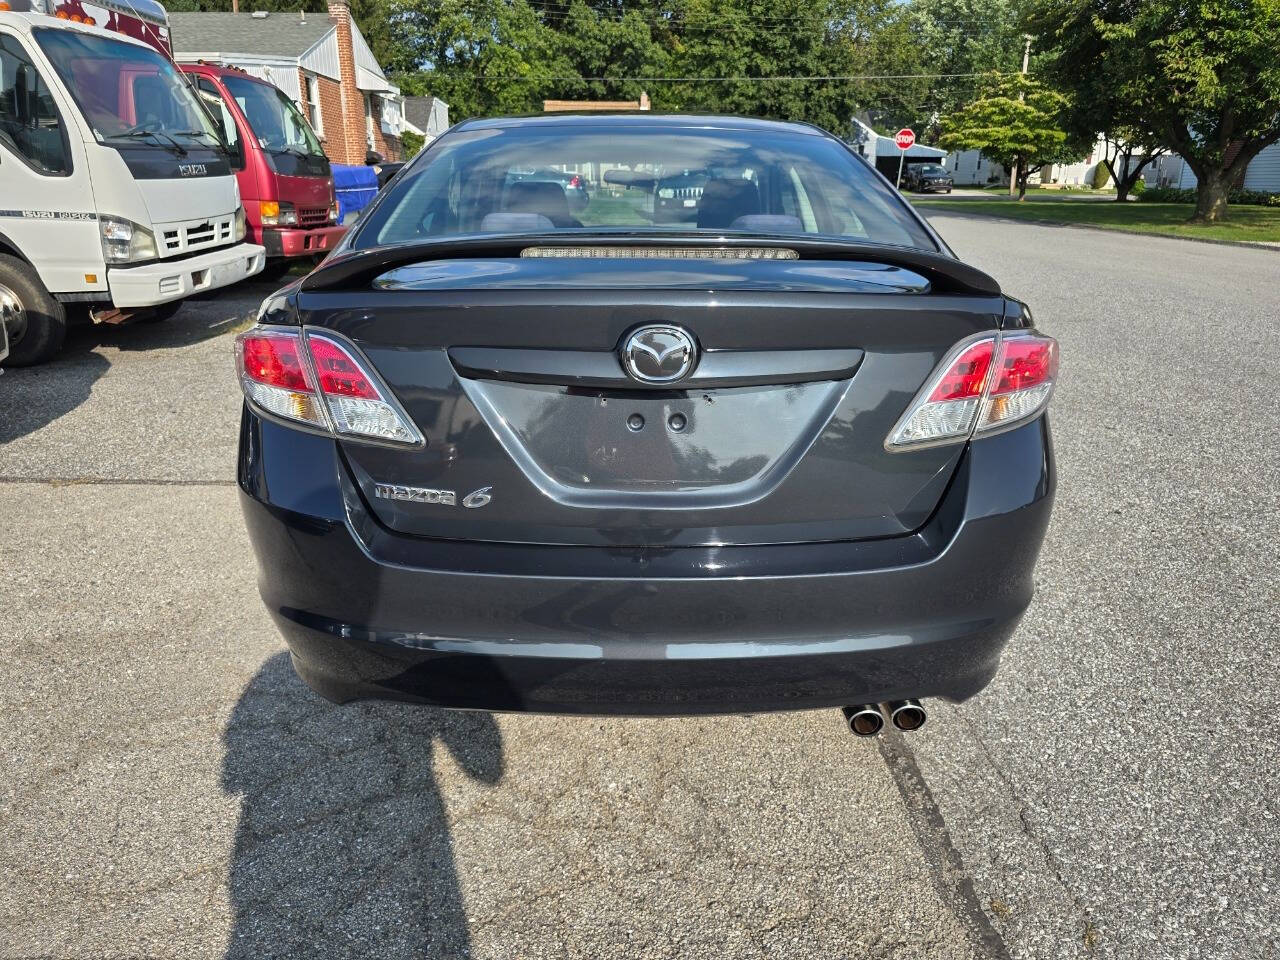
{"x": 342, "y": 104}
{"x": 331, "y": 118}
{"x": 349, "y": 142}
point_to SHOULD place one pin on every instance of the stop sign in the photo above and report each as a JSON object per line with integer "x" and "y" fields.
{"x": 905, "y": 138}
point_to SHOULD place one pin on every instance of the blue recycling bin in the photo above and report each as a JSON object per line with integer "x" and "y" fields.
{"x": 355, "y": 186}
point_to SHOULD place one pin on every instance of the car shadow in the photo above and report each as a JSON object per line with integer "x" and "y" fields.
{"x": 343, "y": 845}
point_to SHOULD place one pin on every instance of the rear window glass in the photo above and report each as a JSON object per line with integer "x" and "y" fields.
{"x": 540, "y": 179}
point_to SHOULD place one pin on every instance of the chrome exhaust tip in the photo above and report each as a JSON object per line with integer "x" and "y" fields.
{"x": 906, "y": 714}
{"x": 865, "y": 719}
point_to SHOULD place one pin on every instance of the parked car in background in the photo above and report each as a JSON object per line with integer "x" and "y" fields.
{"x": 286, "y": 185}
{"x": 676, "y": 198}
{"x": 927, "y": 178}
{"x": 117, "y": 197}
{"x": 494, "y": 456}
{"x": 385, "y": 170}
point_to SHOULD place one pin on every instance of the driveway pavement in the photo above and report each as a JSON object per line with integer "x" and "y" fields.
{"x": 169, "y": 789}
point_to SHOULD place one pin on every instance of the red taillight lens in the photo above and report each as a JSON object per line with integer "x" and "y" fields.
{"x": 1025, "y": 362}
{"x": 991, "y": 384}
{"x": 319, "y": 379}
{"x": 339, "y": 374}
{"x": 575, "y": 181}
{"x": 273, "y": 374}
{"x": 967, "y": 375}
{"x": 274, "y": 361}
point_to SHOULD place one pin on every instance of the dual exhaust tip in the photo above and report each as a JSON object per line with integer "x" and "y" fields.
{"x": 867, "y": 719}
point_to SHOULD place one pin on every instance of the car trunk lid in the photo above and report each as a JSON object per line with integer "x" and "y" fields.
{"x": 511, "y": 368}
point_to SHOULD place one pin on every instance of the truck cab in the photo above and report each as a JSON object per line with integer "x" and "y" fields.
{"x": 118, "y": 191}
{"x": 286, "y": 184}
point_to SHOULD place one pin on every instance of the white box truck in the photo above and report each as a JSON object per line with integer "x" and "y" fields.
{"x": 117, "y": 195}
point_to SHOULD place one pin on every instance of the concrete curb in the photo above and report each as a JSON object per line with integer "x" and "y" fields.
{"x": 1273, "y": 247}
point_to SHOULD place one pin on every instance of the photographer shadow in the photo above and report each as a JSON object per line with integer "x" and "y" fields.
{"x": 343, "y": 845}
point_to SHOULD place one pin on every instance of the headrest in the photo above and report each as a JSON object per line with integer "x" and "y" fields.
{"x": 724, "y": 201}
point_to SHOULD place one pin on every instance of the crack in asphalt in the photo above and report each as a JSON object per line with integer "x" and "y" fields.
{"x": 951, "y": 879}
{"x": 1029, "y": 832}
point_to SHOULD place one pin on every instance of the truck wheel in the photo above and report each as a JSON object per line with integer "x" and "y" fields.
{"x": 37, "y": 323}
{"x": 159, "y": 314}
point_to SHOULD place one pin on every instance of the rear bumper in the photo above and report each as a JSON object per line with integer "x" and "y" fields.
{"x": 165, "y": 281}
{"x": 368, "y": 613}
{"x": 301, "y": 243}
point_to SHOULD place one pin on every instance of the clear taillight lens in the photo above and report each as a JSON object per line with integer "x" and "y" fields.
{"x": 983, "y": 386}
{"x": 357, "y": 404}
{"x": 320, "y": 380}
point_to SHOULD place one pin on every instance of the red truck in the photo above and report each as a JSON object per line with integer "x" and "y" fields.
{"x": 286, "y": 185}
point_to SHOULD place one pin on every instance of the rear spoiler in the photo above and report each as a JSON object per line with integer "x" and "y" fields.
{"x": 357, "y": 269}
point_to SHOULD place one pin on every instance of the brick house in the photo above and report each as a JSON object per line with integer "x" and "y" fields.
{"x": 321, "y": 61}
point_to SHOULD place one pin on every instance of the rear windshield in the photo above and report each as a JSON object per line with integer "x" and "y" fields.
{"x": 539, "y": 179}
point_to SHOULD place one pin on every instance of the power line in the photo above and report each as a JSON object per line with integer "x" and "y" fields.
{"x": 794, "y": 78}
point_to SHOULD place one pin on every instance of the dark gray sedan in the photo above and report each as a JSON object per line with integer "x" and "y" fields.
{"x": 787, "y": 453}
{"x": 927, "y": 178}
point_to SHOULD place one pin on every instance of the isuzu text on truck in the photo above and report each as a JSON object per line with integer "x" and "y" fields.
{"x": 116, "y": 190}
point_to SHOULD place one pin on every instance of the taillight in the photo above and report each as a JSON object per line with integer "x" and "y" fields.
{"x": 318, "y": 379}
{"x": 575, "y": 181}
{"x": 1021, "y": 381}
{"x": 983, "y": 386}
{"x": 274, "y": 376}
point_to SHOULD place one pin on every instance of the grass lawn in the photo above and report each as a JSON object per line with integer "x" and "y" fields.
{"x": 1169, "y": 219}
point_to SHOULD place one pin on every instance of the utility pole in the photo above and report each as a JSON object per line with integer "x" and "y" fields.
{"x": 1026, "y": 62}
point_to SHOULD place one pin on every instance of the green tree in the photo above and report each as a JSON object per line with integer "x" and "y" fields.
{"x": 959, "y": 37}
{"x": 772, "y": 58}
{"x": 1202, "y": 78}
{"x": 1016, "y": 121}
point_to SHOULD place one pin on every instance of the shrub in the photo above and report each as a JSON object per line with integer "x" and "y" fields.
{"x": 1101, "y": 176}
{"x": 1245, "y": 198}
{"x": 1139, "y": 188}
{"x": 1168, "y": 195}
{"x": 412, "y": 143}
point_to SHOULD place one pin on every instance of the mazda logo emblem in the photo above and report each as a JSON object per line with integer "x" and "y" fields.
{"x": 659, "y": 354}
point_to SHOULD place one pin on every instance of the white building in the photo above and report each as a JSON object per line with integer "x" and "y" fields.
{"x": 1262, "y": 174}
{"x": 969, "y": 168}
{"x": 428, "y": 117}
{"x": 883, "y": 153}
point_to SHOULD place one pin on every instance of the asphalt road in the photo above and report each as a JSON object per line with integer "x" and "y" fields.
{"x": 169, "y": 789}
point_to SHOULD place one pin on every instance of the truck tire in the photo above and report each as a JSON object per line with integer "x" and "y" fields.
{"x": 45, "y": 327}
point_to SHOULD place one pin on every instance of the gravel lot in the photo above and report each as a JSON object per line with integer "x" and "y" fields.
{"x": 169, "y": 789}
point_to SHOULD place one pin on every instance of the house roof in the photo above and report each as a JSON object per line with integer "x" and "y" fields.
{"x": 278, "y": 34}
{"x": 309, "y": 39}
{"x": 417, "y": 110}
